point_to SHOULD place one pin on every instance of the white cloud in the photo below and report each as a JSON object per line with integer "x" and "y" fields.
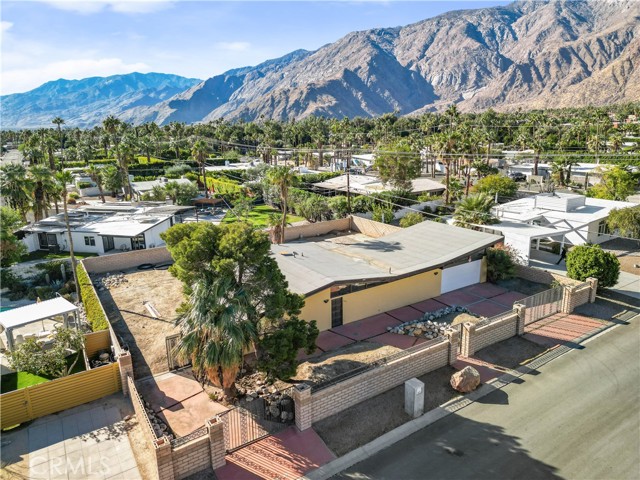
{"x": 120, "y": 6}
{"x": 24, "y": 79}
{"x": 233, "y": 46}
{"x": 5, "y": 25}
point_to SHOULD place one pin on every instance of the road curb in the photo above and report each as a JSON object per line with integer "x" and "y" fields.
{"x": 399, "y": 433}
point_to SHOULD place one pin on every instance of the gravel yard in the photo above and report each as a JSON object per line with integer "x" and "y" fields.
{"x": 145, "y": 335}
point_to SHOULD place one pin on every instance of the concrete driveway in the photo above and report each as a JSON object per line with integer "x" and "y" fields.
{"x": 86, "y": 442}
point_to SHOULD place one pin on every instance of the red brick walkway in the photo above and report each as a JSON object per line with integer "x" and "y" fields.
{"x": 286, "y": 455}
{"x": 560, "y": 328}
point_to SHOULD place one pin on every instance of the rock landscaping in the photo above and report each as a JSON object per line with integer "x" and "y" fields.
{"x": 466, "y": 380}
{"x": 109, "y": 280}
{"x": 277, "y": 404}
{"x": 159, "y": 427}
{"x": 431, "y": 324}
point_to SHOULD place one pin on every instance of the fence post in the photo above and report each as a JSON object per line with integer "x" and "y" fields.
{"x": 125, "y": 364}
{"x": 593, "y": 282}
{"x": 215, "y": 427}
{"x": 164, "y": 458}
{"x": 520, "y": 310}
{"x": 567, "y": 299}
{"x": 303, "y": 406}
{"x": 454, "y": 338}
{"x": 468, "y": 332}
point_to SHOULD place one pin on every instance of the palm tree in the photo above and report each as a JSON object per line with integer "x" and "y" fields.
{"x": 96, "y": 176}
{"x": 474, "y": 210}
{"x": 199, "y": 152}
{"x": 49, "y": 144}
{"x": 216, "y": 331}
{"x": 45, "y": 190}
{"x": 64, "y": 178}
{"x": 59, "y": 122}
{"x": 282, "y": 177}
{"x": 16, "y": 187}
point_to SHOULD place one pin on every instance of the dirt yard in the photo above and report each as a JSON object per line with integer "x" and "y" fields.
{"x": 132, "y": 321}
{"x": 362, "y": 423}
{"x": 628, "y": 253}
{"x": 331, "y": 364}
{"x": 511, "y": 353}
{"x": 523, "y": 286}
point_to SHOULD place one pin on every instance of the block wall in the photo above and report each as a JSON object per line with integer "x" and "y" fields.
{"x": 125, "y": 260}
{"x": 496, "y": 332}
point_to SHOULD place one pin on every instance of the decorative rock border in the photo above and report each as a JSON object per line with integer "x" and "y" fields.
{"x": 427, "y": 326}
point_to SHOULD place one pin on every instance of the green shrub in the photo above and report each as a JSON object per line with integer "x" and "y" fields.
{"x": 500, "y": 264}
{"x": 411, "y": 218}
{"x": 74, "y": 195}
{"x": 586, "y": 261}
{"x": 95, "y": 314}
{"x": 85, "y": 184}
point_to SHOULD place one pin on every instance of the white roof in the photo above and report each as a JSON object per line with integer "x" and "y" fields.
{"x": 526, "y": 230}
{"x": 35, "y": 311}
{"x": 148, "y": 186}
{"x": 371, "y": 184}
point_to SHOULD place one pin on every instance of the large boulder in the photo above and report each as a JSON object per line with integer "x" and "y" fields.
{"x": 466, "y": 380}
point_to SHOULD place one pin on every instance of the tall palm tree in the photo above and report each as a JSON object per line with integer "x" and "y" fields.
{"x": 199, "y": 152}
{"x": 475, "y": 209}
{"x": 45, "y": 190}
{"x": 59, "y": 122}
{"x": 16, "y": 187}
{"x": 63, "y": 179}
{"x": 216, "y": 331}
{"x": 49, "y": 144}
{"x": 282, "y": 177}
{"x": 96, "y": 176}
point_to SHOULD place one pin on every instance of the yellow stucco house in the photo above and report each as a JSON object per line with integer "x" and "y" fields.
{"x": 353, "y": 268}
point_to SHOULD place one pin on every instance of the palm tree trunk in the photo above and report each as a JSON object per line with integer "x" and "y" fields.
{"x": 284, "y": 216}
{"x": 71, "y": 253}
{"x": 447, "y": 178}
{"x": 101, "y": 192}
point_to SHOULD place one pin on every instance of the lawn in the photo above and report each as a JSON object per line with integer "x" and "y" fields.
{"x": 259, "y": 216}
{"x": 44, "y": 255}
{"x": 18, "y": 380}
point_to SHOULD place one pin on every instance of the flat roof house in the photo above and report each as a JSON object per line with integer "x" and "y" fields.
{"x": 353, "y": 268}
{"x": 365, "y": 184}
{"x": 104, "y": 228}
{"x": 565, "y": 218}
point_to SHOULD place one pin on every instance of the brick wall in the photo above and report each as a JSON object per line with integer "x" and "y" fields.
{"x": 123, "y": 261}
{"x": 313, "y": 407}
{"x": 192, "y": 457}
{"x": 372, "y": 228}
{"x": 496, "y": 331}
{"x": 574, "y": 296}
{"x": 543, "y": 276}
{"x": 141, "y": 414}
{"x": 315, "y": 229}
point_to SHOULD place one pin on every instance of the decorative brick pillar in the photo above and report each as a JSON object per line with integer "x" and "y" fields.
{"x": 303, "y": 406}
{"x": 164, "y": 458}
{"x": 468, "y": 334}
{"x": 215, "y": 427}
{"x": 454, "y": 337}
{"x": 520, "y": 310}
{"x": 567, "y": 299}
{"x": 593, "y": 283}
{"x": 126, "y": 370}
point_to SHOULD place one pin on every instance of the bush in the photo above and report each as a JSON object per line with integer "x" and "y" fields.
{"x": 95, "y": 314}
{"x": 54, "y": 270}
{"x": 410, "y": 219}
{"x": 586, "y": 261}
{"x": 85, "y": 185}
{"x": 74, "y": 195}
{"x": 500, "y": 264}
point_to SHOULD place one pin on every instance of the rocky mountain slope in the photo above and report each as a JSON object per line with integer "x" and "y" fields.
{"x": 530, "y": 54}
{"x": 86, "y": 102}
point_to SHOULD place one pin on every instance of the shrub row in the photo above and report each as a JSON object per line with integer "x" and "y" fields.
{"x": 92, "y": 306}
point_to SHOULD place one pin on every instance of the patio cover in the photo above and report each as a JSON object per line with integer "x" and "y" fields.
{"x": 530, "y": 231}
{"x": 37, "y": 311}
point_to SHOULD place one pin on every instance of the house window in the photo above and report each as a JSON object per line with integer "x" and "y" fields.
{"x": 603, "y": 228}
{"x": 90, "y": 241}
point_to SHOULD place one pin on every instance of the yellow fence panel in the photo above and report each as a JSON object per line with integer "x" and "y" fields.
{"x": 96, "y": 341}
{"x": 58, "y": 395}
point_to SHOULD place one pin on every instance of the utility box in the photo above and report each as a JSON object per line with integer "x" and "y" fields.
{"x": 414, "y": 397}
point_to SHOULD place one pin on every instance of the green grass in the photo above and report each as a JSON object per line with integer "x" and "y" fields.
{"x": 17, "y": 380}
{"x": 44, "y": 255}
{"x": 259, "y": 216}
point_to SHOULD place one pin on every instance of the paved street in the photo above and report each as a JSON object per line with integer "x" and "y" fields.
{"x": 577, "y": 417}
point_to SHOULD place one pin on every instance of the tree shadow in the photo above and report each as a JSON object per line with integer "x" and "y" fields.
{"x": 379, "y": 245}
{"x": 456, "y": 448}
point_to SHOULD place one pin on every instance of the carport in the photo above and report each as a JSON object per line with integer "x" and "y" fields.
{"x": 520, "y": 235}
{"x": 17, "y": 318}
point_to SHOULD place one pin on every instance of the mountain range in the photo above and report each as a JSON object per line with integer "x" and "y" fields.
{"x": 538, "y": 54}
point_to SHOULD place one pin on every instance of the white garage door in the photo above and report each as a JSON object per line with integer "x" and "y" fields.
{"x": 461, "y": 276}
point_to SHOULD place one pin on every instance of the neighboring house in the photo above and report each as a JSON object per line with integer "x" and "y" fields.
{"x": 353, "y": 268}
{"x": 565, "y": 218}
{"x": 104, "y": 228}
{"x": 367, "y": 184}
{"x": 139, "y": 188}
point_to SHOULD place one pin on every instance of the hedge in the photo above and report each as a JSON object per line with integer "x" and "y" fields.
{"x": 95, "y": 314}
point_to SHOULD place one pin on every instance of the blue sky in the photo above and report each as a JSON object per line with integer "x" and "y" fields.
{"x": 47, "y": 40}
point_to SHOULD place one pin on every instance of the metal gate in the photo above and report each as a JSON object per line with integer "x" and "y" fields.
{"x": 172, "y": 359}
{"x": 254, "y": 420}
{"x": 542, "y": 304}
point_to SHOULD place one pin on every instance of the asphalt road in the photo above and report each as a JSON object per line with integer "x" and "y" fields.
{"x": 577, "y": 417}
